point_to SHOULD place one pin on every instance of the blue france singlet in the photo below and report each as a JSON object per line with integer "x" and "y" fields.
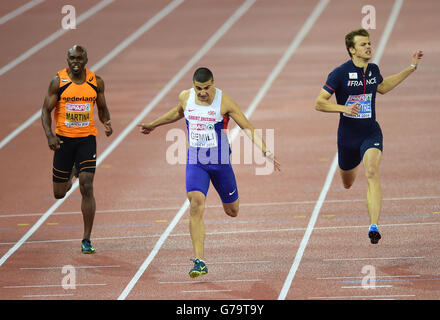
{"x": 351, "y": 84}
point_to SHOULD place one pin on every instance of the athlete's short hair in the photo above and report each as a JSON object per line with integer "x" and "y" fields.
{"x": 79, "y": 48}
{"x": 349, "y": 38}
{"x": 202, "y": 75}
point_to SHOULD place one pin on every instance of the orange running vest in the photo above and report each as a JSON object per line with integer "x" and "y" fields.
{"x": 74, "y": 109}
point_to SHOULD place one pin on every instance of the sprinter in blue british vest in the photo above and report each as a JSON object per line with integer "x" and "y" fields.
{"x": 207, "y": 111}
{"x": 355, "y": 84}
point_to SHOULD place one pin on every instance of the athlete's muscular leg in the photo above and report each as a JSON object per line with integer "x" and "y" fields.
{"x": 371, "y": 162}
{"x": 196, "y": 223}
{"x": 348, "y": 177}
{"x": 61, "y": 188}
{"x": 88, "y": 205}
{"x": 231, "y": 209}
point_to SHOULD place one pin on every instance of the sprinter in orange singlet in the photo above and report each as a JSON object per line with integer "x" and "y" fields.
{"x": 73, "y": 93}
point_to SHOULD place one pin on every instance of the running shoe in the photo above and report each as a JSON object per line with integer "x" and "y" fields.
{"x": 199, "y": 268}
{"x": 86, "y": 246}
{"x": 373, "y": 234}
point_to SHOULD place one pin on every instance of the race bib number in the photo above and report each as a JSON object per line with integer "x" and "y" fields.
{"x": 364, "y": 105}
{"x": 77, "y": 115}
{"x": 202, "y": 135}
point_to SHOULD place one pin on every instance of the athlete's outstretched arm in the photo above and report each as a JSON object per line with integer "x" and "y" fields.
{"x": 235, "y": 113}
{"x": 171, "y": 116}
{"x": 103, "y": 113}
{"x": 323, "y": 103}
{"x": 389, "y": 83}
{"x": 50, "y": 101}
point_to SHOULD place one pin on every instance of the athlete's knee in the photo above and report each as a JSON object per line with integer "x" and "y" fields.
{"x": 347, "y": 184}
{"x": 372, "y": 173}
{"x": 231, "y": 209}
{"x": 197, "y": 203}
{"x": 348, "y": 177}
{"x": 86, "y": 185}
{"x": 58, "y": 194}
{"x": 232, "y": 212}
{"x": 59, "y": 191}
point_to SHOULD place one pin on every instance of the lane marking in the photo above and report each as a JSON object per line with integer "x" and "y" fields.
{"x": 209, "y": 281}
{"x": 113, "y": 53}
{"x": 297, "y": 260}
{"x": 55, "y": 285}
{"x": 251, "y": 204}
{"x": 363, "y": 287}
{"x": 260, "y": 94}
{"x": 394, "y": 280}
{"x": 224, "y": 262}
{"x": 358, "y": 277}
{"x": 19, "y": 10}
{"x": 48, "y": 295}
{"x": 76, "y": 267}
{"x": 106, "y": 152}
{"x": 206, "y": 291}
{"x": 373, "y": 258}
{"x": 422, "y": 224}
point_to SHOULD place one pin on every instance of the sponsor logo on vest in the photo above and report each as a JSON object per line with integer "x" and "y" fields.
{"x": 74, "y": 99}
{"x": 358, "y": 83}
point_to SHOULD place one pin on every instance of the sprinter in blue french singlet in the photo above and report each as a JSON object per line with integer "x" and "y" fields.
{"x": 207, "y": 111}
{"x": 360, "y": 132}
{"x": 355, "y": 84}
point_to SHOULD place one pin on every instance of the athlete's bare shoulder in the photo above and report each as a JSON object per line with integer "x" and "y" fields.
{"x": 54, "y": 85}
{"x": 228, "y": 104}
{"x": 184, "y": 95}
{"x": 183, "y": 98}
{"x": 100, "y": 82}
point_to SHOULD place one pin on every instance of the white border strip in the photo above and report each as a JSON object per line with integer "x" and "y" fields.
{"x": 250, "y": 204}
{"x": 288, "y": 282}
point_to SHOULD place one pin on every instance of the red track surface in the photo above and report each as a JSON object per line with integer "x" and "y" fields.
{"x": 138, "y": 193}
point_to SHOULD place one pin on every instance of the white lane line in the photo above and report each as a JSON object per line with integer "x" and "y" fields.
{"x": 365, "y": 297}
{"x": 232, "y": 232}
{"x": 53, "y": 37}
{"x": 106, "y": 152}
{"x": 252, "y": 204}
{"x": 207, "y": 46}
{"x": 206, "y": 291}
{"x": 272, "y": 76}
{"x": 373, "y": 258}
{"x": 54, "y": 285}
{"x": 285, "y": 289}
{"x": 363, "y": 287}
{"x": 113, "y": 53}
{"x": 19, "y": 10}
{"x": 76, "y": 267}
{"x": 358, "y": 277}
{"x": 48, "y": 295}
{"x": 209, "y": 281}
{"x": 225, "y": 262}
